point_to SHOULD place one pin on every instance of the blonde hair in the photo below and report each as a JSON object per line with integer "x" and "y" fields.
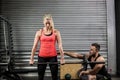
{"x": 49, "y": 16}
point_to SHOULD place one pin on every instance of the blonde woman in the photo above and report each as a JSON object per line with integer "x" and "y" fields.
{"x": 48, "y": 36}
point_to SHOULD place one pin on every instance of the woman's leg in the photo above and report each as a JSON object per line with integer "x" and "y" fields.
{"x": 54, "y": 68}
{"x": 41, "y": 68}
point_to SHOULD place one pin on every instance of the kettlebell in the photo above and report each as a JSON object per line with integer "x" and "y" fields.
{"x": 67, "y": 76}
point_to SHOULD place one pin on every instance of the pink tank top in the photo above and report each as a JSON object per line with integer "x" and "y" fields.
{"x": 47, "y": 45}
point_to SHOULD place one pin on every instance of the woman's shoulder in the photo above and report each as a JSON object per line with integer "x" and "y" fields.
{"x": 39, "y": 31}
{"x": 56, "y": 31}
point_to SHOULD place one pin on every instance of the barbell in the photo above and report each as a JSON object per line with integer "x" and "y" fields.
{"x": 80, "y": 62}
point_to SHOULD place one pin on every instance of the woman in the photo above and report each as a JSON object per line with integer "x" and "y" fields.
{"x": 48, "y": 36}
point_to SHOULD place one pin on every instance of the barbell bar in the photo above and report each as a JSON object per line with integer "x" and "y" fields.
{"x": 81, "y": 62}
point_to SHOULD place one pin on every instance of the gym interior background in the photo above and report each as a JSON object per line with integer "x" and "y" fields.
{"x": 81, "y": 22}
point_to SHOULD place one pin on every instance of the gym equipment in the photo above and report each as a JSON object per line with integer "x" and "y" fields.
{"x": 71, "y": 66}
{"x": 12, "y": 74}
{"x": 7, "y": 73}
{"x": 67, "y": 76}
{"x": 71, "y": 69}
{"x": 74, "y": 68}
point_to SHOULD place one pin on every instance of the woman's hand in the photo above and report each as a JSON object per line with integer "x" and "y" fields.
{"x": 31, "y": 61}
{"x": 62, "y": 61}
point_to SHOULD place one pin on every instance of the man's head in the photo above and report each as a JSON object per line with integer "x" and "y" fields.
{"x": 94, "y": 48}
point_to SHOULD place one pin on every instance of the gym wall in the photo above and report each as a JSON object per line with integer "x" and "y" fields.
{"x": 81, "y": 22}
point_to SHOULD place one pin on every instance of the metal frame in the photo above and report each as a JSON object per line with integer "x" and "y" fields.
{"x": 111, "y": 36}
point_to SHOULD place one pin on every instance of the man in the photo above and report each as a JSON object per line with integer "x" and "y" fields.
{"x": 97, "y": 71}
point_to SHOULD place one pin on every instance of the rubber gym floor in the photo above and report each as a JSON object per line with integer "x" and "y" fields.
{"x": 49, "y": 78}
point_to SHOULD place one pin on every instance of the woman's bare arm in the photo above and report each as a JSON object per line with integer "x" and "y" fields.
{"x": 36, "y": 39}
{"x": 59, "y": 40}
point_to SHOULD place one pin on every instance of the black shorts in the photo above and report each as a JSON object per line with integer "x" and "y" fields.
{"x": 102, "y": 77}
{"x": 99, "y": 77}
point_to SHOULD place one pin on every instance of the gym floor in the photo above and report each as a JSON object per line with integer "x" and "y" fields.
{"x": 49, "y": 78}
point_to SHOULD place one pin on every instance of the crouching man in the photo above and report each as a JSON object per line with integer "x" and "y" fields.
{"x": 97, "y": 71}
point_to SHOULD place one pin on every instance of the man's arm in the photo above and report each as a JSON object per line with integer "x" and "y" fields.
{"x": 97, "y": 67}
{"x": 74, "y": 54}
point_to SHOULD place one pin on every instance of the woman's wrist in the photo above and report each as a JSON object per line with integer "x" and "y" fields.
{"x": 31, "y": 57}
{"x": 62, "y": 56}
